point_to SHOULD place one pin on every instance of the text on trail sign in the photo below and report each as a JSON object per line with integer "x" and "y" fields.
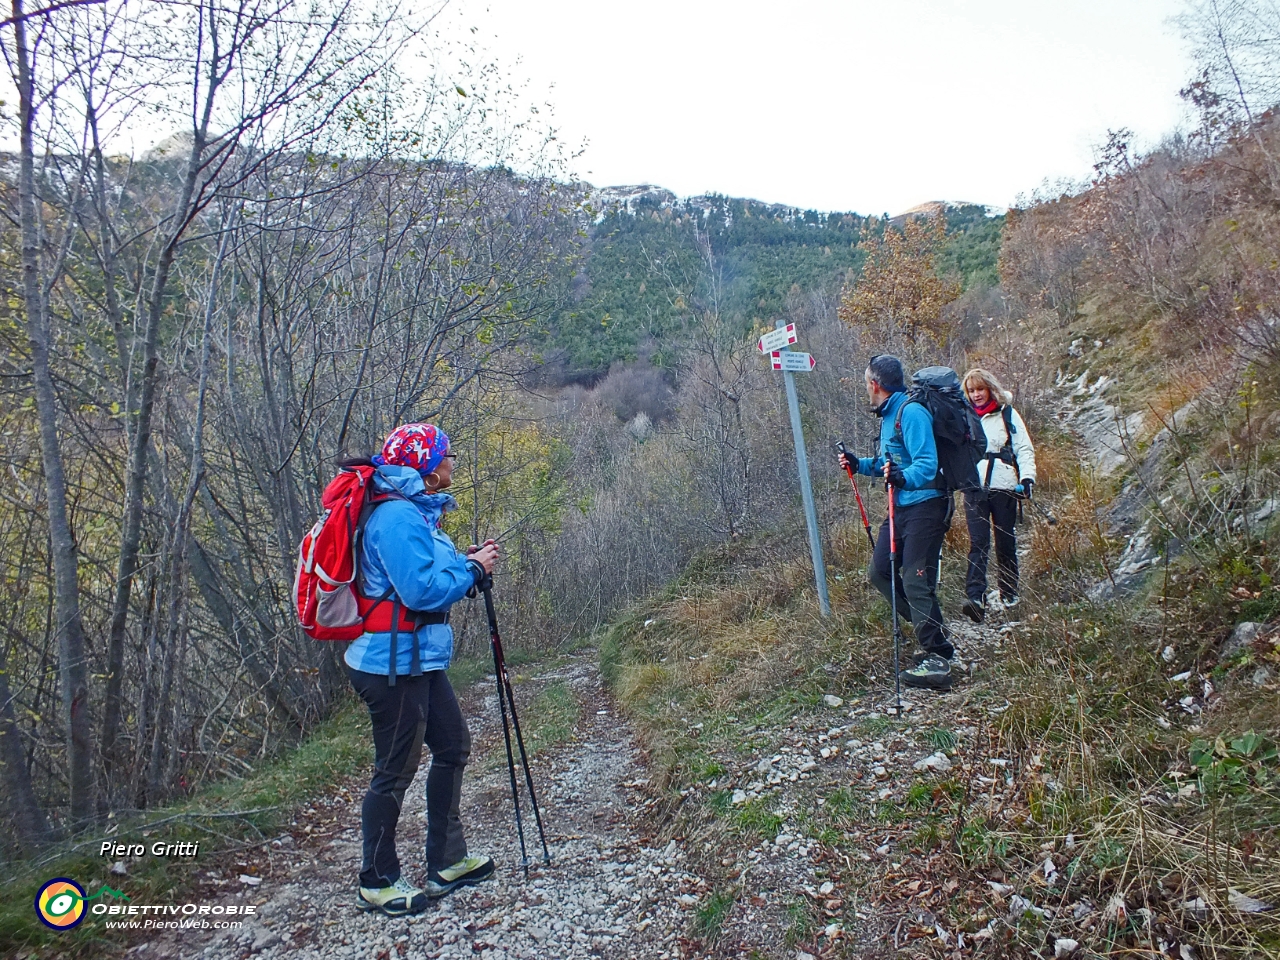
{"x": 776, "y": 339}
{"x": 792, "y": 361}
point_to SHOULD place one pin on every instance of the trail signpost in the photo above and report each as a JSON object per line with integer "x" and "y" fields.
{"x": 792, "y": 362}
{"x": 776, "y": 344}
{"x": 777, "y": 339}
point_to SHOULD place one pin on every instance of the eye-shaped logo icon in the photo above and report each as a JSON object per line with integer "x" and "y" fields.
{"x": 60, "y": 903}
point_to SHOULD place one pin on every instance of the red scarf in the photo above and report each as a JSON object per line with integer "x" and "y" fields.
{"x": 986, "y": 408}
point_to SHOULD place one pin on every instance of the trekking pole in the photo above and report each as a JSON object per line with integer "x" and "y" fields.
{"x": 866, "y": 524}
{"x": 1044, "y": 511}
{"x": 499, "y": 666}
{"x": 504, "y": 686}
{"x": 893, "y": 590}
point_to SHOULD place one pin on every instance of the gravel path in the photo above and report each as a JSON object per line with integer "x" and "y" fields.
{"x": 607, "y": 893}
{"x": 612, "y": 891}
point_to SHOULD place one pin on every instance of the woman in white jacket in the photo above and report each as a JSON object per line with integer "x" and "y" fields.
{"x": 1007, "y": 473}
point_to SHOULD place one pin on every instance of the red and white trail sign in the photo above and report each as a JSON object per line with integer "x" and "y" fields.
{"x": 776, "y": 339}
{"x": 793, "y": 361}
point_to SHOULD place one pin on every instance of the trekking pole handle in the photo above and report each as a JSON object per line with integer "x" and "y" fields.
{"x": 862, "y": 510}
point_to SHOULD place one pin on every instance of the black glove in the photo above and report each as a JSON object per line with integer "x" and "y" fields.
{"x": 481, "y": 578}
{"x": 896, "y": 477}
{"x": 1026, "y": 488}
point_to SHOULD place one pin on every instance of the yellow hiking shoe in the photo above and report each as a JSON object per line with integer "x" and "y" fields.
{"x": 464, "y": 873}
{"x": 397, "y": 900}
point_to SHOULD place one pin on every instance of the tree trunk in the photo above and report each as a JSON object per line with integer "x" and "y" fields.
{"x": 24, "y": 808}
{"x": 72, "y": 666}
{"x": 140, "y": 442}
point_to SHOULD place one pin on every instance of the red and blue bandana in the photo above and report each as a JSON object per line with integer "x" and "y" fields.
{"x": 418, "y": 445}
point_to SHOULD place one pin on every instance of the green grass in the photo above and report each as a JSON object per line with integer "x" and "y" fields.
{"x": 801, "y": 923}
{"x": 754, "y": 817}
{"x": 709, "y": 918}
{"x": 941, "y": 739}
{"x": 550, "y": 717}
{"x": 467, "y": 672}
{"x": 919, "y": 795}
{"x": 234, "y": 814}
{"x": 464, "y": 674}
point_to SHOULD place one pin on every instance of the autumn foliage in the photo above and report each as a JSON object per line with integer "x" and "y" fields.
{"x": 899, "y": 285}
{"x": 1182, "y": 238}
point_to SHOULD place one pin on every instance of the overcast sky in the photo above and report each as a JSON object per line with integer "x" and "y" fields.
{"x": 865, "y": 105}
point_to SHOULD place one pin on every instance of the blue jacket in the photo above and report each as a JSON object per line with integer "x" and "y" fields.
{"x": 915, "y": 451}
{"x": 403, "y": 547}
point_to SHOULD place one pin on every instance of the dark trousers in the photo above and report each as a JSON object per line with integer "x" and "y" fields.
{"x": 982, "y": 508}
{"x": 919, "y": 529}
{"x": 415, "y": 711}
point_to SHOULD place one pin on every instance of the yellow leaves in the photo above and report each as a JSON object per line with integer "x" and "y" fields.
{"x": 899, "y": 284}
{"x": 507, "y": 479}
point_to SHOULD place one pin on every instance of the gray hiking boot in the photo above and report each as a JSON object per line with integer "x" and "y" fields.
{"x": 932, "y": 673}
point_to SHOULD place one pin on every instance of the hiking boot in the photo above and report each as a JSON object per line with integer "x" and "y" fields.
{"x": 957, "y": 663}
{"x": 464, "y": 873}
{"x": 1009, "y": 602}
{"x": 932, "y": 673}
{"x": 397, "y": 900}
{"x": 974, "y": 610}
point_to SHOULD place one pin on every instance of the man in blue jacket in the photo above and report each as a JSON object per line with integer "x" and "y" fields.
{"x": 908, "y": 460}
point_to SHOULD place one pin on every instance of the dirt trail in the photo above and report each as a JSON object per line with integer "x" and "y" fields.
{"x": 607, "y": 893}
{"x": 612, "y": 890}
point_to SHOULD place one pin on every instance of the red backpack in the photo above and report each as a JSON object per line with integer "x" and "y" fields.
{"x": 325, "y": 586}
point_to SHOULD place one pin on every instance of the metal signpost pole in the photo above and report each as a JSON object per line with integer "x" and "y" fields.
{"x": 806, "y": 489}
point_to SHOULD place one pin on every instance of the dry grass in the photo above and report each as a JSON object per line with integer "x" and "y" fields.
{"x": 1101, "y": 741}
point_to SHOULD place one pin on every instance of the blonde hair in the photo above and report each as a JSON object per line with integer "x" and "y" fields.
{"x": 988, "y": 380}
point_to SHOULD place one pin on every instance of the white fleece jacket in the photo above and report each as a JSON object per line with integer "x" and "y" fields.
{"x": 1002, "y": 474}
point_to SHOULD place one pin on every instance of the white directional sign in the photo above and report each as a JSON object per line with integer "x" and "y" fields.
{"x": 793, "y": 361}
{"x": 776, "y": 339}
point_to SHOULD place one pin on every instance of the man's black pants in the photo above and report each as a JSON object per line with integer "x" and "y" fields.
{"x": 415, "y": 711}
{"x": 920, "y": 528}
{"x": 982, "y": 508}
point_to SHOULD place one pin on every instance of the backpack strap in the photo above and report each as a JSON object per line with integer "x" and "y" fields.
{"x": 897, "y": 420}
{"x": 366, "y": 511}
{"x": 939, "y": 481}
{"x": 395, "y": 634}
{"x": 1006, "y": 452}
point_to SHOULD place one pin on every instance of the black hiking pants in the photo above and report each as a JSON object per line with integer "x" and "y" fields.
{"x": 982, "y": 508}
{"x": 920, "y": 528}
{"x": 415, "y": 711}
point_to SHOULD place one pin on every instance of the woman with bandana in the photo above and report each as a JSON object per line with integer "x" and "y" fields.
{"x": 406, "y": 560}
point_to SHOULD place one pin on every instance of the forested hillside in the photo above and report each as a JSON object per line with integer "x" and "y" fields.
{"x": 645, "y": 249}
